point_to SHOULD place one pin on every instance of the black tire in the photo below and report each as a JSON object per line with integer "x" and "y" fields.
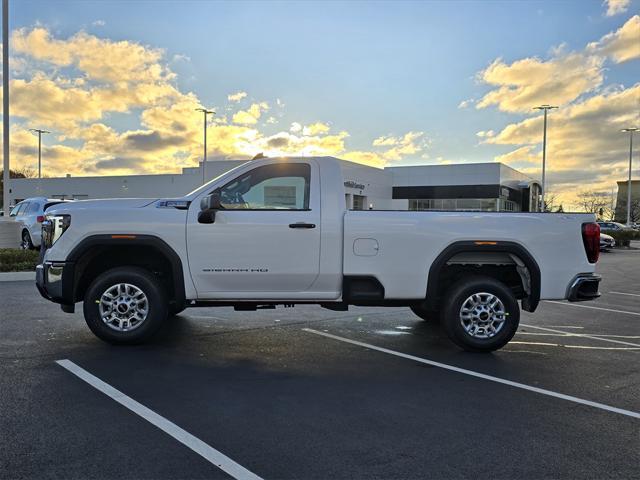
{"x": 155, "y": 305}
{"x": 424, "y": 313}
{"x": 459, "y": 294}
{"x": 26, "y": 243}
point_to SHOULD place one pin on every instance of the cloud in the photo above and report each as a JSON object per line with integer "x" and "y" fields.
{"x": 368, "y": 158}
{"x": 73, "y": 86}
{"x": 622, "y": 45}
{"x": 385, "y": 141}
{"x": 100, "y": 59}
{"x": 278, "y": 142}
{"x": 614, "y": 7}
{"x": 151, "y": 140}
{"x": 316, "y": 128}
{"x": 523, "y": 157}
{"x": 584, "y": 142}
{"x": 180, "y": 57}
{"x": 252, "y": 115}
{"x": 526, "y": 83}
{"x": 98, "y": 23}
{"x": 561, "y": 79}
{"x": 485, "y": 134}
{"x": 411, "y": 143}
{"x": 236, "y": 97}
{"x": 585, "y": 149}
{"x": 466, "y": 103}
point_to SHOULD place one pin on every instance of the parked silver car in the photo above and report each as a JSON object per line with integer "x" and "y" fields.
{"x": 613, "y": 227}
{"x": 30, "y": 213}
{"x": 607, "y": 242}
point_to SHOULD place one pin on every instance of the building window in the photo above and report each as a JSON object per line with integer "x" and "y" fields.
{"x": 359, "y": 202}
{"x": 509, "y": 206}
{"x": 454, "y": 204}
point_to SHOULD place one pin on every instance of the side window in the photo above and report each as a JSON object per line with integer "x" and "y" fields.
{"x": 20, "y": 209}
{"x": 279, "y": 186}
{"x": 14, "y": 210}
{"x": 33, "y": 208}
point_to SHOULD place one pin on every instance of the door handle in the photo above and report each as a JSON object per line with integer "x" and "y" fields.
{"x": 302, "y": 225}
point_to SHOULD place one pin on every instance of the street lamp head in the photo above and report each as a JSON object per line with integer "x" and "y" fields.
{"x": 544, "y": 107}
{"x": 38, "y": 130}
{"x": 205, "y": 111}
{"x": 630, "y": 129}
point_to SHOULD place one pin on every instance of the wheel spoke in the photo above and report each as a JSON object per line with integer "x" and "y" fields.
{"x": 482, "y": 315}
{"x": 123, "y": 307}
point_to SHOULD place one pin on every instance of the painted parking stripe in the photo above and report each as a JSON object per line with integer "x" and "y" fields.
{"x": 624, "y": 293}
{"x": 581, "y": 335}
{"x": 209, "y": 453}
{"x": 592, "y": 308}
{"x": 483, "y": 376}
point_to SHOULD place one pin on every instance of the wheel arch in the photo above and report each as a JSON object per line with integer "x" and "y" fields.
{"x": 90, "y": 252}
{"x": 478, "y": 249}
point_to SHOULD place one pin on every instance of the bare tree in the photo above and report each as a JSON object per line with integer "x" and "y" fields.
{"x": 600, "y": 203}
{"x": 549, "y": 202}
{"x": 635, "y": 210}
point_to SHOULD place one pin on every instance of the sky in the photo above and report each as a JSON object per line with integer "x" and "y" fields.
{"x": 380, "y": 83}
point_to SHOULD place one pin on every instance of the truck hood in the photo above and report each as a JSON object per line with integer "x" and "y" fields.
{"x": 110, "y": 203}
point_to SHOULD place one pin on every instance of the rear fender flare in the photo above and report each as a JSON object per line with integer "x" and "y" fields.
{"x": 530, "y": 303}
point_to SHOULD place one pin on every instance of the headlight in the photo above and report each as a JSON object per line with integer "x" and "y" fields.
{"x": 53, "y": 227}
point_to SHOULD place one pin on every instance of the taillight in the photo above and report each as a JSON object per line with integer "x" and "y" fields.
{"x": 591, "y": 240}
{"x": 40, "y": 218}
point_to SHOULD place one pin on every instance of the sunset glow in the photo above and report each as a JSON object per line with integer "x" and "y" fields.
{"x": 381, "y": 84}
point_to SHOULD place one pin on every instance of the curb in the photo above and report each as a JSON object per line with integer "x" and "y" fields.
{"x": 17, "y": 276}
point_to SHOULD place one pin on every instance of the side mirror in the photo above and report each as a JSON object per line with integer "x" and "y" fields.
{"x": 210, "y": 202}
{"x": 208, "y": 207}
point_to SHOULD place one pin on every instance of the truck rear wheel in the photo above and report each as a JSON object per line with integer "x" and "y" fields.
{"x": 480, "y": 314}
{"x": 125, "y": 305}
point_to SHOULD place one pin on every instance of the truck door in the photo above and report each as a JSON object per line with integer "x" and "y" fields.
{"x": 265, "y": 238}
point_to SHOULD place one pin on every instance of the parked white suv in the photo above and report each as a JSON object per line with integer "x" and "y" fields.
{"x": 30, "y": 213}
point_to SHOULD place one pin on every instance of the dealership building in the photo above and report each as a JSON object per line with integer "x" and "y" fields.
{"x": 469, "y": 186}
{"x": 621, "y": 201}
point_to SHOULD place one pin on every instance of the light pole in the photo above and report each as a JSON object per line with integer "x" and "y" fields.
{"x": 39, "y": 132}
{"x": 630, "y": 131}
{"x": 5, "y": 106}
{"x": 205, "y": 112}
{"x": 546, "y": 108}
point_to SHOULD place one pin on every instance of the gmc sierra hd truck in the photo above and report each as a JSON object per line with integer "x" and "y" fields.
{"x": 276, "y": 232}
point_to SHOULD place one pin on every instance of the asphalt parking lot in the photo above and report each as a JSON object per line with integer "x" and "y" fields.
{"x": 268, "y": 393}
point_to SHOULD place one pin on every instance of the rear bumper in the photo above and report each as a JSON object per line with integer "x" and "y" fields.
{"x": 584, "y": 287}
{"x": 54, "y": 281}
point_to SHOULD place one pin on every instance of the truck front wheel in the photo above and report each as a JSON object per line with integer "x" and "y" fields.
{"x": 125, "y": 305}
{"x": 480, "y": 314}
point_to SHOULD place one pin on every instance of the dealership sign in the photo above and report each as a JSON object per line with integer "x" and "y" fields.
{"x": 352, "y": 184}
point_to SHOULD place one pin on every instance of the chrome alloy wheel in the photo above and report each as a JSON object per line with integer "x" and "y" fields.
{"x": 123, "y": 307}
{"x": 482, "y": 315}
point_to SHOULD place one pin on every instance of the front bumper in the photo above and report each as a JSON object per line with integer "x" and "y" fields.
{"x": 54, "y": 281}
{"x": 584, "y": 287}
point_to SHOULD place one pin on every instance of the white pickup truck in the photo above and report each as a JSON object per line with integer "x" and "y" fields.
{"x": 276, "y": 232}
